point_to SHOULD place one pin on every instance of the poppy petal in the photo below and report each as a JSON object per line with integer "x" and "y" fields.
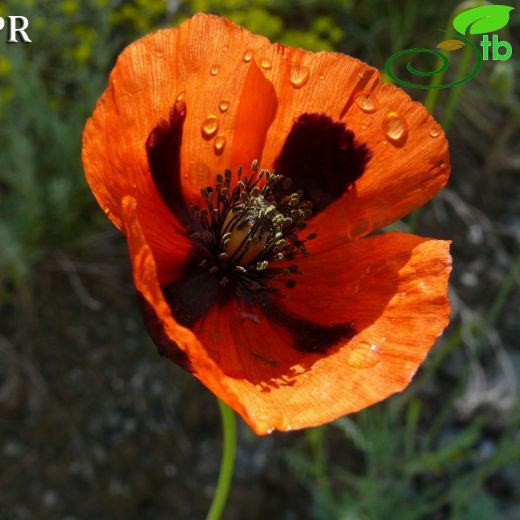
{"x": 255, "y": 113}
{"x": 174, "y": 341}
{"x": 399, "y": 178}
{"x": 163, "y": 147}
{"x": 322, "y": 157}
{"x": 150, "y": 76}
{"x": 115, "y": 171}
{"x": 410, "y": 158}
{"x": 378, "y": 283}
{"x": 392, "y": 288}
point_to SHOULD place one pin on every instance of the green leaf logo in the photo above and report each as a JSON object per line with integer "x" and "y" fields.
{"x": 481, "y": 20}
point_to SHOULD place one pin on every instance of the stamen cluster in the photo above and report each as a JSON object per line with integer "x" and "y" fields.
{"x": 251, "y": 226}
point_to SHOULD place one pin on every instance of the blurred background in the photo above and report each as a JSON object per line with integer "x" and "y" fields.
{"x": 94, "y": 424}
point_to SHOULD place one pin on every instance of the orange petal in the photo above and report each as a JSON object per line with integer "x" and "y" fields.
{"x": 179, "y": 338}
{"x": 402, "y": 175}
{"x": 200, "y": 62}
{"x": 255, "y": 113}
{"x": 228, "y": 76}
{"x": 410, "y": 161}
{"x": 115, "y": 166}
{"x": 391, "y": 287}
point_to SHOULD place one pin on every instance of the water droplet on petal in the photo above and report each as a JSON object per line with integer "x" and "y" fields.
{"x": 180, "y": 96}
{"x": 106, "y": 210}
{"x": 364, "y": 356}
{"x": 363, "y": 127}
{"x": 366, "y": 102}
{"x": 209, "y": 127}
{"x": 219, "y": 144}
{"x": 214, "y": 70}
{"x": 248, "y": 55}
{"x": 265, "y": 64}
{"x": 223, "y": 105}
{"x": 322, "y": 76}
{"x": 434, "y": 132}
{"x": 299, "y": 76}
{"x": 396, "y": 129}
{"x": 442, "y": 165}
{"x": 225, "y": 48}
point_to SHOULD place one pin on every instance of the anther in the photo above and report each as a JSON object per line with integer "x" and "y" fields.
{"x": 261, "y": 266}
{"x": 249, "y": 226}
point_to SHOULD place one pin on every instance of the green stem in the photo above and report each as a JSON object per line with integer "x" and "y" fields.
{"x": 433, "y": 94}
{"x": 455, "y": 93}
{"x": 227, "y": 463}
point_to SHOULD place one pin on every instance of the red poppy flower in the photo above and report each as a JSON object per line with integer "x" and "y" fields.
{"x": 244, "y": 175}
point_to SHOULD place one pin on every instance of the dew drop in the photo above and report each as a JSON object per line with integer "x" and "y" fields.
{"x": 219, "y": 144}
{"x": 185, "y": 176}
{"x": 434, "y": 132}
{"x": 106, "y": 210}
{"x": 248, "y": 55}
{"x": 396, "y": 129}
{"x": 322, "y": 76}
{"x": 364, "y": 357}
{"x": 363, "y": 127}
{"x": 180, "y": 97}
{"x": 299, "y": 76}
{"x": 366, "y": 102}
{"x": 209, "y": 127}
{"x": 223, "y": 105}
{"x": 265, "y": 64}
{"x": 225, "y": 48}
{"x": 442, "y": 165}
{"x": 214, "y": 70}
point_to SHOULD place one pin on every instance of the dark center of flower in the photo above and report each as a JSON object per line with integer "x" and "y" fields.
{"x": 249, "y": 229}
